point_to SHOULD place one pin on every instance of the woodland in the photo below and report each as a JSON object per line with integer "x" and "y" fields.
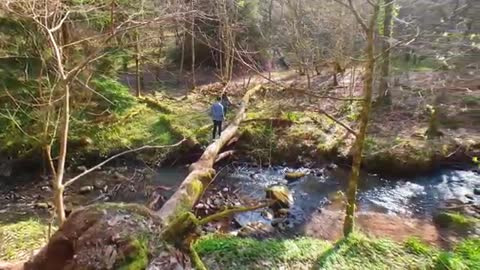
{"x": 351, "y": 139}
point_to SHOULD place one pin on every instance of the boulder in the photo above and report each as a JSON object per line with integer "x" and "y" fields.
{"x": 293, "y": 176}
{"x": 281, "y": 195}
{"x": 476, "y": 191}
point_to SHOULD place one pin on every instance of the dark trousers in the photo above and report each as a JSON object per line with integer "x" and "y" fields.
{"x": 217, "y": 125}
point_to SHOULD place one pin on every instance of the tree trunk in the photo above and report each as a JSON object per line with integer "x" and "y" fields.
{"x": 194, "y": 83}
{"x": 58, "y": 180}
{"x": 182, "y": 58}
{"x": 384, "y": 93}
{"x": 137, "y": 65}
{"x": 357, "y": 148}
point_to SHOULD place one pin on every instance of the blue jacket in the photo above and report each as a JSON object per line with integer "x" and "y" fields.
{"x": 217, "y": 112}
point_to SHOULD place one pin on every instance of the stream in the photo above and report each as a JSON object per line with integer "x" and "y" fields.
{"x": 413, "y": 197}
{"x": 399, "y": 207}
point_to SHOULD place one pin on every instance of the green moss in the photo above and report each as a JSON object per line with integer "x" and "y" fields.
{"x": 243, "y": 253}
{"x": 471, "y": 100}
{"x": 416, "y": 246}
{"x": 355, "y": 252}
{"x": 137, "y": 257}
{"x": 19, "y": 240}
{"x": 455, "y": 220}
{"x": 466, "y": 255}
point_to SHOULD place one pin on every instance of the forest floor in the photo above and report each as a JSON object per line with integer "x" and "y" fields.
{"x": 285, "y": 119}
{"x": 285, "y": 126}
{"x": 225, "y": 252}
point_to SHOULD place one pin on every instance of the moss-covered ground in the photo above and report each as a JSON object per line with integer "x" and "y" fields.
{"x": 19, "y": 240}
{"x": 355, "y": 252}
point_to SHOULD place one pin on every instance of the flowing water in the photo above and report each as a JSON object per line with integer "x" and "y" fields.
{"x": 417, "y": 197}
{"x": 315, "y": 194}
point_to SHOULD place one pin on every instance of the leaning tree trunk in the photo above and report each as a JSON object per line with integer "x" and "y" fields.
{"x": 129, "y": 236}
{"x": 385, "y": 95}
{"x": 364, "y": 118}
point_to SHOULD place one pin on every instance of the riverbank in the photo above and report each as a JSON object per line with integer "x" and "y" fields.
{"x": 224, "y": 252}
{"x": 355, "y": 252}
{"x": 284, "y": 126}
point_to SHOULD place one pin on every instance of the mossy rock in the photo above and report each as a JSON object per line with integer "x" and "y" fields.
{"x": 455, "y": 220}
{"x": 281, "y": 195}
{"x": 293, "y": 176}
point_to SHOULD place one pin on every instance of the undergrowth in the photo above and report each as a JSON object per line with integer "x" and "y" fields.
{"x": 356, "y": 252}
{"x": 19, "y": 240}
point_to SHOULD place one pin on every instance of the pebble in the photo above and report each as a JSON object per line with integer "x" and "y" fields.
{"x": 41, "y": 205}
{"x": 99, "y": 184}
{"x": 332, "y": 166}
{"x": 86, "y": 189}
{"x": 217, "y": 202}
{"x": 277, "y": 221}
{"x": 225, "y": 190}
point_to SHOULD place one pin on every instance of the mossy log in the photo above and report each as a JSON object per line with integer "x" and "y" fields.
{"x": 202, "y": 172}
{"x": 132, "y": 237}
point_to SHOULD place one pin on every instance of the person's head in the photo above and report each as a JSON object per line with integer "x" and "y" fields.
{"x": 219, "y": 98}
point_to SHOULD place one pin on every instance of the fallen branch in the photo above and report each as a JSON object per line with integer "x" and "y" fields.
{"x": 229, "y": 212}
{"x": 329, "y": 116}
{"x": 274, "y": 121}
{"x": 309, "y": 93}
{"x": 224, "y": 155}
{"x": 72, "y": 180}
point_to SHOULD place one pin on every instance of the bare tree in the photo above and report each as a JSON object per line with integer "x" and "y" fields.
{"x": 53, "y": 19}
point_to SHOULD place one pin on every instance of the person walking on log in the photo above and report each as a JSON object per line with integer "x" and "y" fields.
{"x": 217, "y": 112}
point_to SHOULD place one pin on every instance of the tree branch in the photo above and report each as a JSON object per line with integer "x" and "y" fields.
{"x": 72, "y": 180}
{"x": 229, "y": 212}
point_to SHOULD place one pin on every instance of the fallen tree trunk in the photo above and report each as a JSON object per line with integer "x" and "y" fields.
{"x": 202, "y": 172}
{"x": 120, "y": 236}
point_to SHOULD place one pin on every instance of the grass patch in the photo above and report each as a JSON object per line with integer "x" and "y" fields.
{"x": 19, "y": 240}
{"x": 360, "y": 252}
{"x": 355, "y": 252}
{"x": 465, "y": 255}
{"x": 471, "y": 101}
{"x": 246, "y": 253}
{"x": 455, "y": 220}
{"x": 422, "y": 64}
{"x": 139, "y": 125}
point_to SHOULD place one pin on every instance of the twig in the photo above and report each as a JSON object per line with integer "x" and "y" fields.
{"x": 224, "y": 155}
{"x": 337, "y": 121}
{"x": 230, "y": 212}
{"x": 72, "y": 180}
